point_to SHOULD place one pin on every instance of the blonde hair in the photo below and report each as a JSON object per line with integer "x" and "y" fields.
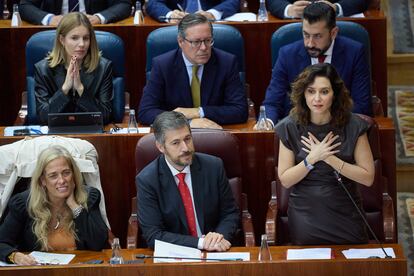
{"x": 58, "y": 54}
{"x": 39, "y": 205}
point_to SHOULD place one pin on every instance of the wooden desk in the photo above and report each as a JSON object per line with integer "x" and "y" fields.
{"x": 117, "y": 169}
{"x": 278, "y": 266}
{"x": 257, "y": 57}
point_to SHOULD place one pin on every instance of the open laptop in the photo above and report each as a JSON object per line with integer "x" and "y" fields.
{"x": 75, "y": 123}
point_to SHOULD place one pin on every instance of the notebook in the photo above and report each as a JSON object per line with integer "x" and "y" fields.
{"x": 75, "y": 123}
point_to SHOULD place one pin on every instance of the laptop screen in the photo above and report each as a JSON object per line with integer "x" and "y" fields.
{"x": 74, "y": 123}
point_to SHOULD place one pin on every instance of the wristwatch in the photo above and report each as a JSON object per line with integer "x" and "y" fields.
{"x": 307, "y": 165}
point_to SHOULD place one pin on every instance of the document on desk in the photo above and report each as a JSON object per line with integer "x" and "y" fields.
{"x": 309, "y": 254}
{"x": 175, "y": 253}
{"x": 245, "y": 256}
{"x": 241, "y": 16}
{"x": 366, "y": 253}
{"x": 52, "y": 258}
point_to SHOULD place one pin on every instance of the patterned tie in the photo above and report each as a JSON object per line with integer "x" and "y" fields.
{"x": 73, "y": 5}
{"x": 188, "y": 204}
{"x": 321, "y": 58}
{"x": 192, "y": 6}
{"x": 195, "y": 87}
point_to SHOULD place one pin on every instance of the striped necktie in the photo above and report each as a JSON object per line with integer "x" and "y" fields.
{"x": 73, "y": 5}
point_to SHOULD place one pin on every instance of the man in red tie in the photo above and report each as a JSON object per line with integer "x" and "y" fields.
{"x": 184, "y": 197}
{"x": 321, "y": 43}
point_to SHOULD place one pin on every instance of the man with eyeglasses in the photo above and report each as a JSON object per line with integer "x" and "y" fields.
{"x": 195, "y": 79}
{"x": 321, "y": 43}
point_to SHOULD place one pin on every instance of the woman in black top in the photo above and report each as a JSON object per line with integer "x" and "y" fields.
{"x": 321, "y": 136}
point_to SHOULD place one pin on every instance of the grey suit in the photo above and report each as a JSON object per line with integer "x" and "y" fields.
{"x": 161, "y": 212}
{"x": 97, "y": 95}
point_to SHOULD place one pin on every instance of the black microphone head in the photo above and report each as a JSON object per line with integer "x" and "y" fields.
{"x": 374, "y": 257}
{"x": 140, "y": 256}
{"x": 388, "y": 257}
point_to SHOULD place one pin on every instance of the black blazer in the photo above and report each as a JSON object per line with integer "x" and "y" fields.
{"x": 97, "y": 94}
{"x": 349, "y": 7}
{"x": 161, "y": 212}
{"x": 16, "y": 231}
{"x": 34, "y": 11}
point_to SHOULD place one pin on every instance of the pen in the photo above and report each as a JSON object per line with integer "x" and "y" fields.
{"x": 180, "y": 7}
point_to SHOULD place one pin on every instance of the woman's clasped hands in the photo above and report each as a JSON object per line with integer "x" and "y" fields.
{"x": 72, "y": 79}
{"x": 320, "y": 150}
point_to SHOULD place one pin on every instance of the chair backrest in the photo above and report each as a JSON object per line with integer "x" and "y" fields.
{"x": 226, "y": 38}
{"x": 293, "y": 32}
{"x": 112, "y": 48}
{"x": 375, "y": 199}
{"x": 225, "y": 146}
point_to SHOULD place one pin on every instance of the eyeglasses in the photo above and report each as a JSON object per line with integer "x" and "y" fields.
{"x": 197, "y": 43}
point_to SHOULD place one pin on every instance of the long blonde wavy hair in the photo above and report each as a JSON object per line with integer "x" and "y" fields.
{"x": 39, "y": 205}
{"x": 58, "y": 54}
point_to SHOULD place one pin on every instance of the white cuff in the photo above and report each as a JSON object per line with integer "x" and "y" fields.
{"x": 103, "y": 20}
{"x": 45, "y": 19}
{"x": 201, "y": 112}
{"x": 200, "y": 244}
{"x": 217, "y": 14}
{"x": 341, "y": 11}
{"x": 285, "y": 13}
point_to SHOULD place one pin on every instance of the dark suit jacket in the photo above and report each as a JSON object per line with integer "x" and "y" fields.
{"x": 34, "y": 11}
{"x": 223, "y": 98}
{"x": 348, "y": 58}
{"x": 97, "y": 94}
{"x": 161, "y": 212}
{"x": 349, "y": 7}
{"x": 16, "y": 231}
{"x": 157, "y": 8}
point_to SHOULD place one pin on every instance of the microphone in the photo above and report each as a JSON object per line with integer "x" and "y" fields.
{"x": 142, "y": 256}
{"x": 339, "y": 179}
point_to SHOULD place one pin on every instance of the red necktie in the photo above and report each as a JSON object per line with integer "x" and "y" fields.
{"x": 321, "y": 58}
{"x": 188, "y": 204}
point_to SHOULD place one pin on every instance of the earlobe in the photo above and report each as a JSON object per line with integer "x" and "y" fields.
{"x": 61, "y": 40}
{"x": 159, "y": 147}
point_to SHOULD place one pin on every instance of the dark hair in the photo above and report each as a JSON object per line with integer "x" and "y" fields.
{"x": 190, "y": 20}
{"x": 320, "y": 11}
{"x": 166, "y": 121}
{"x": 341, "y": 104}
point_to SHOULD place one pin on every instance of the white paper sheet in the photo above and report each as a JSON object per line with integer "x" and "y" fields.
{"x": 245, "y": 256}
{"x": 165, "y": 249}
{"x": 242, "y": 16}
{"x": 125, "y": 130}
{"x": 358, "y": 15}
{"x": 367, "y": 253}
{"x": 309, "y": 254}
{"x": 52, "y": 258}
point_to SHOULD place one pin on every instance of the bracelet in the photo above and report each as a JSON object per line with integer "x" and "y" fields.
{"x": 76, "y": 212}
{"x": 342, "y": 166}
{"x": 11, "y": 257}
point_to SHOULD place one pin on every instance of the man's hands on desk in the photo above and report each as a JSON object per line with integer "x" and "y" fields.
{"x": 193, "y": 114}
{"x": 215, "y": 242}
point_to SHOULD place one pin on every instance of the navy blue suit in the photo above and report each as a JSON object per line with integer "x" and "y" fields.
{"x": 349, "y": 7}
{"x": 348, "y": 58}
{"x": 223, "y": 98}
{"x": 157, "y": 8}
{"x": 161, "y": 211}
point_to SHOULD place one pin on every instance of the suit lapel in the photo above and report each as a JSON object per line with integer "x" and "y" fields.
{"x": 207, "y": 81}
{"x": 182, "y": 87}
{"x": 198, "y": 191}
{"x": 87, "y": 80}
{"x": 170, "y": 189}
{"x": 338, "y": 55}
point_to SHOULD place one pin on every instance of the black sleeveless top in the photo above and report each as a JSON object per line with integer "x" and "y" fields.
{"x": 319, "y": 210}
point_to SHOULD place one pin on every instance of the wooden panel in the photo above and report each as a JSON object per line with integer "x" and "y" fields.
{"x": 279, "y": 266}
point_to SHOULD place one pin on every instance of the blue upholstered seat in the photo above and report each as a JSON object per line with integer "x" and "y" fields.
{"x": 112, "y": 48}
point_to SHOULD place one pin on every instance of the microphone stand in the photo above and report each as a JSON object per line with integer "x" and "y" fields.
{"x": 338, "y": 177}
